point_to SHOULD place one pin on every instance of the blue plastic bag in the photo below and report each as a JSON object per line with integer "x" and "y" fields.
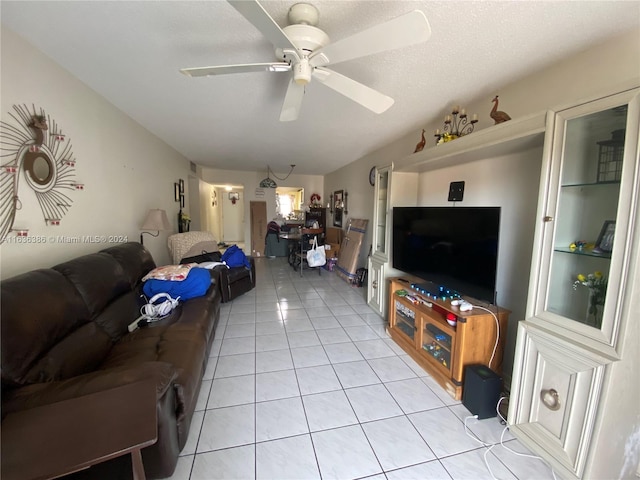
{"x": 235, "y": 257}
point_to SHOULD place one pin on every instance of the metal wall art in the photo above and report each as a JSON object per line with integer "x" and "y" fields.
{"x": 34, "y": 148}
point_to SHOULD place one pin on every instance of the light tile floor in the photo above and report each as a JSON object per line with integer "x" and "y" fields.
{"x": 304, "y": 383}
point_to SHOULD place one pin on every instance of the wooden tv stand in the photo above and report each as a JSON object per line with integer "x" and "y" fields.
{"x": 441, "y": 349}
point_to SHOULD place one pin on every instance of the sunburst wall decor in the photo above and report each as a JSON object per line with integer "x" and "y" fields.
{"x": 33, "y": 148}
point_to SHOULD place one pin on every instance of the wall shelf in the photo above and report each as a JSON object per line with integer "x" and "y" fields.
{"x": 495, "y": 141}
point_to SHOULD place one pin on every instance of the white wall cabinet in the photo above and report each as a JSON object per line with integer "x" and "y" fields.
{"x": 381, "y": 232}
{"x": 578, "y": 341}
{"x": 391, "y": 189}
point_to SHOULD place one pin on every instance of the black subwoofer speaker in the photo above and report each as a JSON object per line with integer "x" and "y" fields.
{"x": 481, "y": 390}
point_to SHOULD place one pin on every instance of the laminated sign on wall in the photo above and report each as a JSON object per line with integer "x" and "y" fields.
{"x": 350, "y": 249}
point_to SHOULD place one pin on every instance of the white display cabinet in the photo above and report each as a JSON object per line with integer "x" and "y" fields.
{"x": 575, "y": 340}
{"x": 390, "y": 189}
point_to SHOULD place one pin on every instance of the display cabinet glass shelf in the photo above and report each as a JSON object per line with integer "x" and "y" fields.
{"x": 583, "y": 216}
{"x": 437, "y": 344}
{"x": 405, "y": 320}
{"x": 574, "y": 349}
{"x": 390, "y": 188}
{"x": 380, "y": 211}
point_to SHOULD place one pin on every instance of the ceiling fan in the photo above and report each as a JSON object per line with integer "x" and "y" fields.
{"x": 305, "y": 50}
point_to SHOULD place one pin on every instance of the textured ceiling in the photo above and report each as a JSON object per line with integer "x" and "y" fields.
{"x": 130, "y": 52}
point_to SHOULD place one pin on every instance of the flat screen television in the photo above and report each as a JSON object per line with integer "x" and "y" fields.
{"x": 453, "y": 247}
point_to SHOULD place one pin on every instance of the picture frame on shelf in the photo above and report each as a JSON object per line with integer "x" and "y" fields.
{"x": 606, "y": 237}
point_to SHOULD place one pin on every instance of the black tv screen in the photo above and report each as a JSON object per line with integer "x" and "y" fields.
{"x": 453, "y": 247}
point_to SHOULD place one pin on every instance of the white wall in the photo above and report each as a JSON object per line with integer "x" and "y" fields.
{"x": 195, "y": 211}
{"x": 125, "y": 169}
{"x": 510, "y": 182}
{"x": 250, "y": 182}
{"x": 233, "y": 217}
{"x": 215, "y": 214}
{"x": 598, "y": 71}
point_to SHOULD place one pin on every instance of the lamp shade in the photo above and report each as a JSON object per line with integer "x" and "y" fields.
{"x": 268, "y": 183}
{"x": 156, "y": 220}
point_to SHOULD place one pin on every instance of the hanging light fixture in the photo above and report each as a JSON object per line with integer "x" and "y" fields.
{"x": 269, "y": 182}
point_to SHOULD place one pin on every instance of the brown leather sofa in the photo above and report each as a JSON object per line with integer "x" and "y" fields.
{"x": 64, "y": 335}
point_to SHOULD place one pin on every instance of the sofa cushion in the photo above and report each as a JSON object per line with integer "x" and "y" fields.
{"x": 134, "y": 258}
{"x": 117, "y": 316}
{"x": 38, "y": 309}
{"x": 79, "y": 352}
{"x": 99, "y": 278}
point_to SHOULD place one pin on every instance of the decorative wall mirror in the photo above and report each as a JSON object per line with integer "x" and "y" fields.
{"x": 33, "y": 145}
{"x": 39, "y": 167}
{"x": 338, "y": 207}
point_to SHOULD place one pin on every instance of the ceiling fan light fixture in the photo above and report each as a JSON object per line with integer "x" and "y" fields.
{"x": 302, "y": 71}
{"x": 304, "y": 13}
{"x": 268, "y": 183}
{"x": 304, "y": 49}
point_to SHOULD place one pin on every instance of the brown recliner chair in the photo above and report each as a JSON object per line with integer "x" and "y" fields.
{"x": 235, "y": 281}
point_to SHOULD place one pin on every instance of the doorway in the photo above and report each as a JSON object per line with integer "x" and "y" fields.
{"x": 226, "y": 215}
{"x": 258, "y": 214}
{"x": 289, "y": 202}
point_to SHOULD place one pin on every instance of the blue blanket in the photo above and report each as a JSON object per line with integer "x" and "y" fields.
{"x": 195, "y": 285}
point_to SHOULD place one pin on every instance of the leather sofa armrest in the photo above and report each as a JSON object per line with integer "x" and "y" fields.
{"x": 221, "y": 278}
{"x": 37, "y": 394}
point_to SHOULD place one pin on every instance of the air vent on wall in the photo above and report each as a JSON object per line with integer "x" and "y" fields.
{"x": 194, "y": 167}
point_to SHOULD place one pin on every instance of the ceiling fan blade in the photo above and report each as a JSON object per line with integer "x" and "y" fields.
{"x": 258, "y": 16}
{"x": 292, "y": 102}
{"x": 242, "y": 68}
{"x": 403, "y": 31}
{"x": 367, "y": 97}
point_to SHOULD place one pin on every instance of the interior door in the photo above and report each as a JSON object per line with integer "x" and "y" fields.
{"x": 258, "y": 213}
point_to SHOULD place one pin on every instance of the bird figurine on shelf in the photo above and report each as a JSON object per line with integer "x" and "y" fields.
{"x": 420, "y": 144}
{"x": 497, "y": 115}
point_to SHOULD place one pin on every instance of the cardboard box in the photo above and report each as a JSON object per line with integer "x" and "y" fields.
{"x": 350, "y": 249}
{"x": 334, "y": 235}
{"x": 331, "y": 250}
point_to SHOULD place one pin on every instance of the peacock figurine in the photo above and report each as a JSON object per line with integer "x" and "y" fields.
{"x": 420, "y": 144}
{"x": 497, "y": 115}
